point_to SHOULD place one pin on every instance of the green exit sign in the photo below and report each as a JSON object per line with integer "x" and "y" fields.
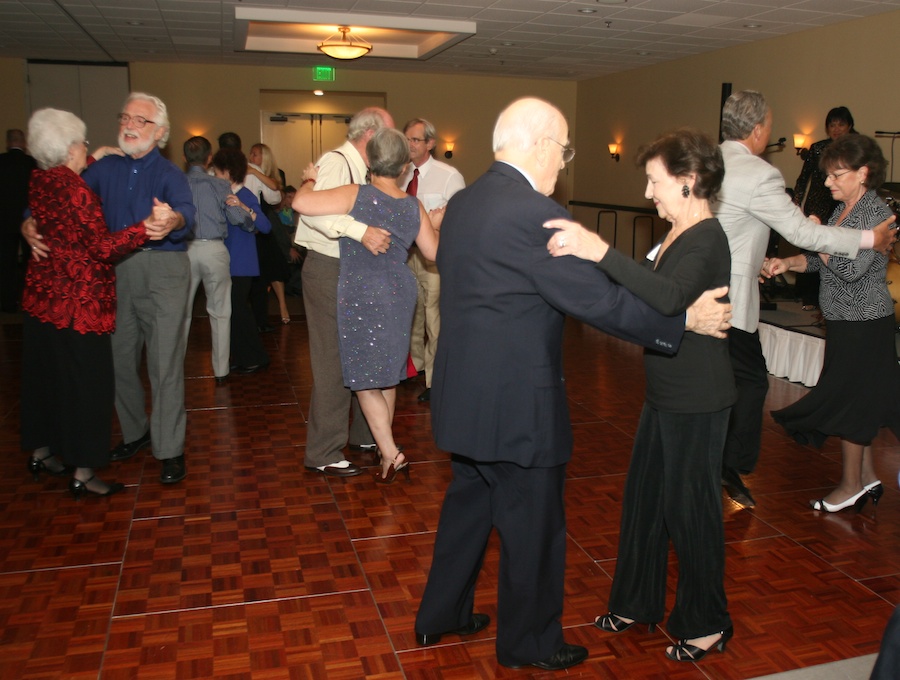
{"x": 323, "y": 73}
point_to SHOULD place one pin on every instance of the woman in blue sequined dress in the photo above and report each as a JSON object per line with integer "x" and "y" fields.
{"x": 377, "y": 293}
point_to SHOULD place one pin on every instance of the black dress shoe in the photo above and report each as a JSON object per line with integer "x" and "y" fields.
{"x": 265, "y": 329}
{"x": 478, "y": 623}
{"x": 365, "y": 448}
{"x": 736, "y": 489}
{"x": 221, "y": 379}
{"x": 124, "y": 450}
{"x": 173, "y": 470}
{"x": 247, "y": 370}
{"x": 426, "y": 395}
{"x": 349, "y": 470}
{"x": 567, "y": 656}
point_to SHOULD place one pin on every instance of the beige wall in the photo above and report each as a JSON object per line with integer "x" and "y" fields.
{"x": 13, "y": 107}
{"x": 210, "y": 99}
{"x": 803, "y": 75}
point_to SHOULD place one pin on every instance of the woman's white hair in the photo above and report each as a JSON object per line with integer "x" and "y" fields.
{"x": 525, "y": 122}
{"x": 162, "y": 113}
{"x": 51, "y": 132}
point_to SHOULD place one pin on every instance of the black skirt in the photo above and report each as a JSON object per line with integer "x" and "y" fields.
{"x": 858, "y": 390}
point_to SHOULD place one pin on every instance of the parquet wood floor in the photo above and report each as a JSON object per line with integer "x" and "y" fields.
{"x": 254, "y": 567}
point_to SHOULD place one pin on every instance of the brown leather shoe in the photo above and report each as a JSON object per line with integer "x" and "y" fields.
{"x": 334, "y": 470}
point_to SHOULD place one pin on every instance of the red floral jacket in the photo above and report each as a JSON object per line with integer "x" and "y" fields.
{"x": 75, "y": 287}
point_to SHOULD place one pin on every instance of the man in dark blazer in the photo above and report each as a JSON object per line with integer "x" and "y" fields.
{"x": 498, "y": 397}
{"x": 15, "y": 171}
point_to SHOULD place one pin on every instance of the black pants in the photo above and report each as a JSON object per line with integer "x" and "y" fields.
{"x": 246, "y": 347}
{"x": 752, "y": 381}
{"x": 526, "y": 507}
{"x": 67, "y": 393}
{"x": 887, "y": 666}
{"x": 673, "y": 491}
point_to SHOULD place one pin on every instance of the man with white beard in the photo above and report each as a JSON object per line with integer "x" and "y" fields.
{"x": 152, "y": 284}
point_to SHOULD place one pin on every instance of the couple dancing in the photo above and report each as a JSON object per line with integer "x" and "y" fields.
{"x": 376, "y": 294}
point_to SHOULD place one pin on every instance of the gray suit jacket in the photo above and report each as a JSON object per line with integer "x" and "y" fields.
{"x": 753, "y": 199}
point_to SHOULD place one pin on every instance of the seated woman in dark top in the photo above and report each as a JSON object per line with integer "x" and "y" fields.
{"x": 673, "y": 489}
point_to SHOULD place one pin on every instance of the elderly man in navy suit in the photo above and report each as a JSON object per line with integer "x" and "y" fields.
{"x": 503, "y": 306}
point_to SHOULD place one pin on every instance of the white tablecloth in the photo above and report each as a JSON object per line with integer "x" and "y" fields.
{"x": 795, "y": 356}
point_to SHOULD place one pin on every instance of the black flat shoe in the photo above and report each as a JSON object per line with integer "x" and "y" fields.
{"x": 126, "y": 450}
{"x": 566, "y": 657}
{"x": 79, "y": 488}
{"x": 685, "y": 651}
{"x": 173, "y": 470}
{"x": 613, "y": 623}
{"x": 38, "y": 465}
{"x": 478, "y": 623}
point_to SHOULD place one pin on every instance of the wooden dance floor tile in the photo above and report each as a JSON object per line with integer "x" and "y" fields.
{"x": 334, "y": 637}
{"x": 53, "y": 622}
{"x": 254, "y": 567}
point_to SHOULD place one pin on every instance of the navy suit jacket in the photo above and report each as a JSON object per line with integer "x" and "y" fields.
{"x": 498, "y": 392}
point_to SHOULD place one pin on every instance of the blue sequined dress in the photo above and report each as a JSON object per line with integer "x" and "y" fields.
{"x": 377, "y": 295}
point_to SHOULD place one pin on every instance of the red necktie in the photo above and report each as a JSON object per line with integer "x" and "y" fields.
{"x": 413, "y": 183}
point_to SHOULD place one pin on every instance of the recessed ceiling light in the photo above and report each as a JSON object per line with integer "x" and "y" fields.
{"x": 752, "y": 25}
{"x": 507, "y": 44}
{"x": 643, "y": 54}
{"x": 587, "y": 10}
{"x": 135, "y": 23}
{"x": 318, "y": 93}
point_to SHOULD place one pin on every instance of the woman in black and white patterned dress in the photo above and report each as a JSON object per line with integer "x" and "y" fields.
{"x": 857, "y": 392}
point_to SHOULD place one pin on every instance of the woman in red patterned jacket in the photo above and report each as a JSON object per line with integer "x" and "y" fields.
{"x": 69, "y": 302}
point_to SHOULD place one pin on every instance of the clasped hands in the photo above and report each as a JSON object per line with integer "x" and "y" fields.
{"x": 158, "y": 224}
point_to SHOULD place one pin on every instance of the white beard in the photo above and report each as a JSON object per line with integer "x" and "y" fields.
{"x": 133, "y": 146}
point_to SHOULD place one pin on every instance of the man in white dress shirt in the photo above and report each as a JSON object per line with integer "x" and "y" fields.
{"x": 433, "y": 182}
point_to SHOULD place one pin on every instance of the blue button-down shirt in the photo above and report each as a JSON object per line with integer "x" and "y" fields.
{"x": 127, "y": 187}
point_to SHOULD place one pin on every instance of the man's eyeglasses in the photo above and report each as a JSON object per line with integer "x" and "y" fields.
{"x": 415, "y": 140}
{"x": 568, "y": 151}
{"x": 835, "y": 175}
{"x": 139, "y": 121}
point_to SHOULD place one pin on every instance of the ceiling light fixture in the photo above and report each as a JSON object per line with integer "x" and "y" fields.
{"x": 587, "y": 10}
{"x": 346, "y": 48}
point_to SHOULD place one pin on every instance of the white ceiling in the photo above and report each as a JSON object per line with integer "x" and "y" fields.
{"x": 524, "y": 38}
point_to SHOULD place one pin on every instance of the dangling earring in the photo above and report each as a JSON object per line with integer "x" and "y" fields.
{"x": 685, "y": 191}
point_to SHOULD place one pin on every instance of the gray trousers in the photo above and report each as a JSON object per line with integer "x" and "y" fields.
{"x": 152, "y": 289}
{"x": 330, "y": 402}
{"x": 211, "y": 265}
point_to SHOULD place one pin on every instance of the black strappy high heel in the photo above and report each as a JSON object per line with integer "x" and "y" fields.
{"x": 613, "y": 623}
{"x": 684, "y": 651}
{"x": 392, "y": 470}
{"x": 38, "y": 465}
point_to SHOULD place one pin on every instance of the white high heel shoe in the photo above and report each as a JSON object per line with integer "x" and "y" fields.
{"x": 858, "y": 501}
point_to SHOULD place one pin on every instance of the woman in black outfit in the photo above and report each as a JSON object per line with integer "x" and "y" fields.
{"x": 673, "y": 489}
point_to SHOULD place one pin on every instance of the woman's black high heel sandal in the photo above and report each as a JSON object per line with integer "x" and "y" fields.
{"x": 613, "y": 623}
{"x": 79, "y": 488}
{"x": 392, "y": 471}
{"x": 38, "y": 465}
{"x": 685, "y": 651}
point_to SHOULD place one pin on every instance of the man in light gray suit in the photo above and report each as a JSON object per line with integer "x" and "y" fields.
{"x": 752, "y": 200}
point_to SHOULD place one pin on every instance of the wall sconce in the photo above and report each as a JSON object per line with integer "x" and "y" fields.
{"x": 614, "y": 151}
{"x": 449, "y": 152}
{"x": 800, "y": 145}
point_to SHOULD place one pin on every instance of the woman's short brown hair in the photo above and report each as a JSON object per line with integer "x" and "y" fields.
{"x": 686, "y": 151}
{"x": 853, "y": 152}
